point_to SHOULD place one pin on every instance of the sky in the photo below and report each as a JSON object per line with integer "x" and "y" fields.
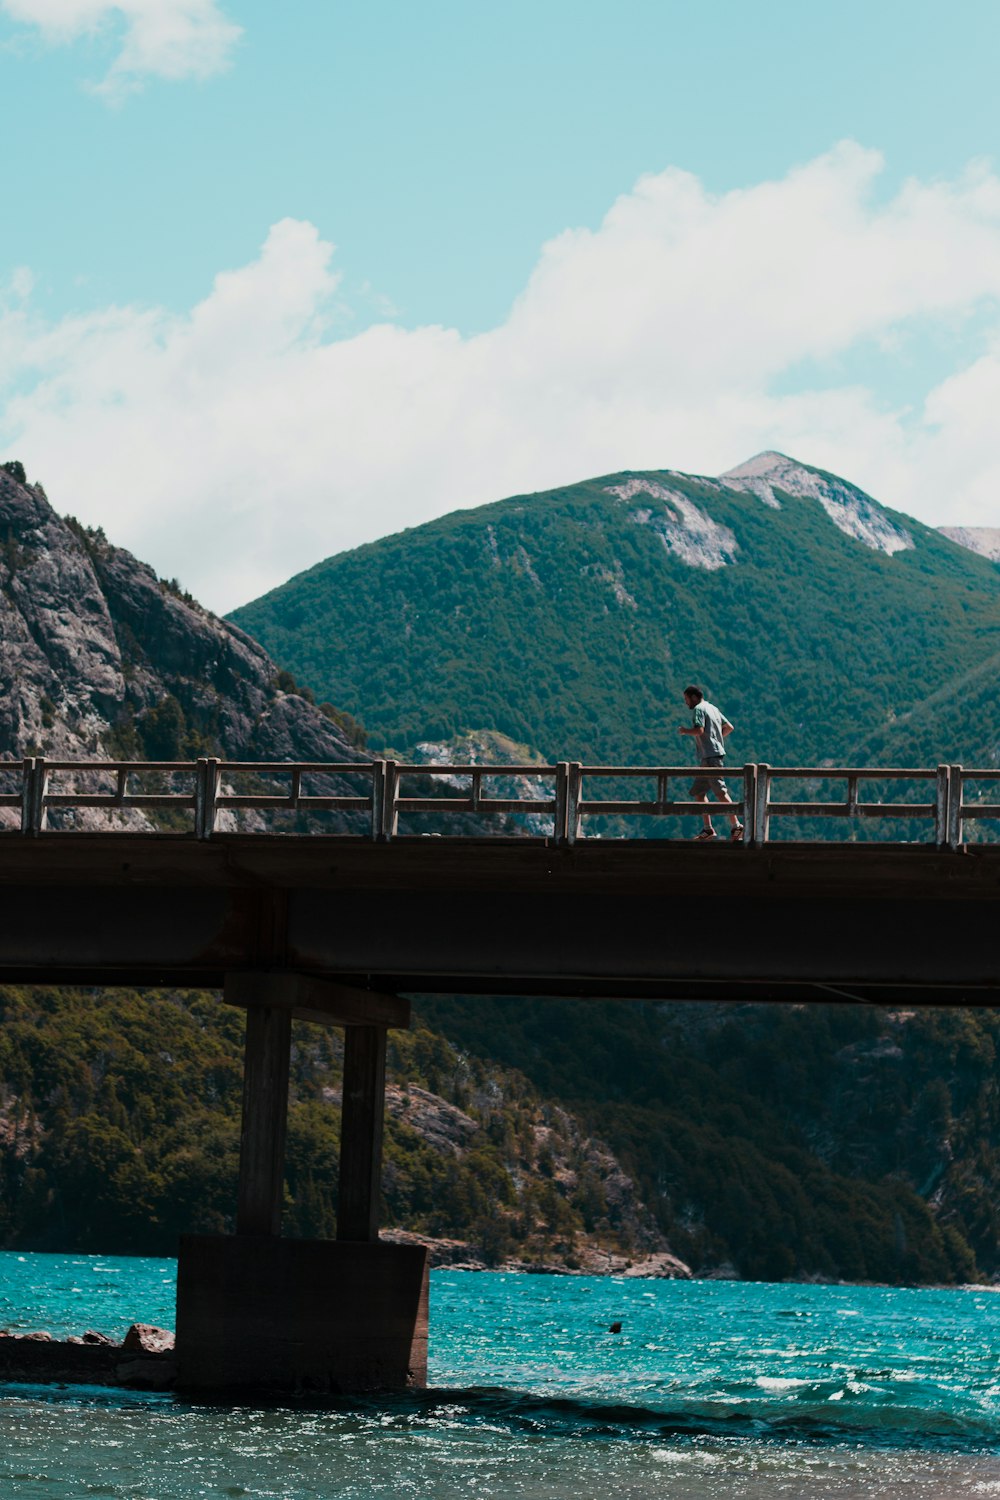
{"x": 278, "y": 279}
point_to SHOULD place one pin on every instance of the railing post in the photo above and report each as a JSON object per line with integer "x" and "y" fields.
{"x": 955, "y": 808}
{"x": 27, "y": 792}
{"x": 942, "y": 806}
{"x": 206, "y": 793}
{"x": 561, "y": 801}
{"x": 378, "y": 797}
{"x": 574, "y": 784}
{"x": 750, "y": 804}
{"x": 762, "y": 822}
{"x": 385, "y": 789}
{"x": 34, "y": 787}
{"x": 40, "y": 813}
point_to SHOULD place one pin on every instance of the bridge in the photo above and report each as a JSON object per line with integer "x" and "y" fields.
{"x": 459, "y": 879}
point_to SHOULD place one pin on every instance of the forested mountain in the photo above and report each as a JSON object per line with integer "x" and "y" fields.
{"x": 758, "y": 1141}
{"x": 761, "y": 1141}
{"x": 119, "y": 1111}
{"x": 571, "y": 620}
{"x": 120, "y": 1128}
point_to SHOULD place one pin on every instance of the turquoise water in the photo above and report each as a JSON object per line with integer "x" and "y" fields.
{"x": 711, "y": 1389}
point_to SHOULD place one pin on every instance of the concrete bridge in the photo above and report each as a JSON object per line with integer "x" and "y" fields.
{"x": 337, "y": 929}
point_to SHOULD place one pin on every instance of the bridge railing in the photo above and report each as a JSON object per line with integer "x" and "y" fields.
{"x": 560, "y": 801}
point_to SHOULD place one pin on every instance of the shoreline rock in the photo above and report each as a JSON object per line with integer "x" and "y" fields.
{"x": 144, "y": 1361}
{"x": 587, "y": 1260}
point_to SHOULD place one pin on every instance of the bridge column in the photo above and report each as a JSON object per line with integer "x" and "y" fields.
{"x": 362, "y": 1115}
{"x": 259, "y": 1313}
{"x": 265, "y": 1112}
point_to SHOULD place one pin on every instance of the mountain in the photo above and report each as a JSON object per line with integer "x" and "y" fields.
{"x": 120, "y": 1129}
{"x": 763, "y": 1141}
{"x": 571, "y": 620}
{"x": 829, "y": 1141}
{"x": 848, "y": 1142}
{"x": 120, "y": 1110}
{"x": 100, "y": 658}
{"x": 982, "y": 539}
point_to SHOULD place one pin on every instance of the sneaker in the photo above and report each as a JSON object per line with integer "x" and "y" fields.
{"x": 736, "y": 837}
{"x": 705, "y": 836}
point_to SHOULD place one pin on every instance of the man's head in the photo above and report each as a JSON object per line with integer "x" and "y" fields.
{"x": 693, "y": 696}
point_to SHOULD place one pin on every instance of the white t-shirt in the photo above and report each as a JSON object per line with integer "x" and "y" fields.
{"x": 709, "y": 721}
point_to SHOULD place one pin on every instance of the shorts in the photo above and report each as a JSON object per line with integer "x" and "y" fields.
{"x": 704, "y": 784}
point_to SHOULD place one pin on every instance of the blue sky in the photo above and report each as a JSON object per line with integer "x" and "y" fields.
{"x": 440, "y": 148}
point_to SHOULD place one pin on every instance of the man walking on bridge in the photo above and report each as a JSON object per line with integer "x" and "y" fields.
{"x": 709, "y": 726}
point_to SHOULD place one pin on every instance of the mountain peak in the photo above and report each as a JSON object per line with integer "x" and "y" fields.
{"x": 767, "y": 465}
{"x": 770, "y": 468}
{"x": 853, "y": 512}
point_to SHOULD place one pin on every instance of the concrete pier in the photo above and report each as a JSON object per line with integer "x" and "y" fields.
{"x": 257, "y": 1312}
{"x": 322, "y": 1316}
{"x": 265, "y": 1111}
{"x": 363, "y": 1112}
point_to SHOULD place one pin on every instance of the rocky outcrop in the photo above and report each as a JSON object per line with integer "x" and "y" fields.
{"x": 590, "y": 1258}
{"x": 853, "y": 512}
{"x": 982, "y": 539}
{"x": 572, "y": 1206}
{"x": 443, "y": 1126}
{"x": 145, "y": 1338}
{"x": 144, "y": 1361}
{"x": 99, "y": 657}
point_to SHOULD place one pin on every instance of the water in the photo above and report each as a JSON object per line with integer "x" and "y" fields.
{"x": 712, "y": 1389}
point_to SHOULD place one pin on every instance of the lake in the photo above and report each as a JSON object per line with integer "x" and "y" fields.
{"x": 711, "y": 1389}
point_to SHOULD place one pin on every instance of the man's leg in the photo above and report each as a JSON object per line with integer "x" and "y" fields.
{"x": 722, "y": 795}
{"x": 708, "y": 826}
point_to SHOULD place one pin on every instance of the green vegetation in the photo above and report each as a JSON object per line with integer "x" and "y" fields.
{"x": 566, "y": 624}
{"x": 120, "y": 1123}
{"x": 831, "y": 1141}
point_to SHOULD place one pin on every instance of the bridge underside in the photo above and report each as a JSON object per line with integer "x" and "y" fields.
{"x": 644, "y": 920}
{"x": 335, "y": 931}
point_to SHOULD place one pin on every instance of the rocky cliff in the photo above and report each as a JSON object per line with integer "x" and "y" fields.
{"x": 100, "y": 658}
{"x": 982, "y": 539}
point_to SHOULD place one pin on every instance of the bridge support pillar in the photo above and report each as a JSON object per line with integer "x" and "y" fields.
{"x": 265, "y": 1110}
{"x": 259, "y": 1313}
{"x": 362, "y": 1114}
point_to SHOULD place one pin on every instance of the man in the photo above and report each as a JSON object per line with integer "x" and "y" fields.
{"x": 710, "y": 727}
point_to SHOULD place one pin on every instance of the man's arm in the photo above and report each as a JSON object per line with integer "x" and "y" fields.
{"x": 727, "y": 728}
{"x": 697, "y": 721}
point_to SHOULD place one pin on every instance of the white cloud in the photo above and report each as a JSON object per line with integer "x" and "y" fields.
{"x": 247, "y": 439}
{"x": 170, "y": 39}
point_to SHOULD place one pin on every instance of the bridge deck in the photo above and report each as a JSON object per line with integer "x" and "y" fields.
{"x": 798, "y": 921}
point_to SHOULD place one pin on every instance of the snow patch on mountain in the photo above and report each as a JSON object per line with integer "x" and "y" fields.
{"x": 982, "y": 539}
{"x": 853, "y": 512}
{"x": 685, "y": 529}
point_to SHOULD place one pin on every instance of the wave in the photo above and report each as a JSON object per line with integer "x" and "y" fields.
{"x": 809, "y": 1416}
{"x": 883, "y": 1423}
